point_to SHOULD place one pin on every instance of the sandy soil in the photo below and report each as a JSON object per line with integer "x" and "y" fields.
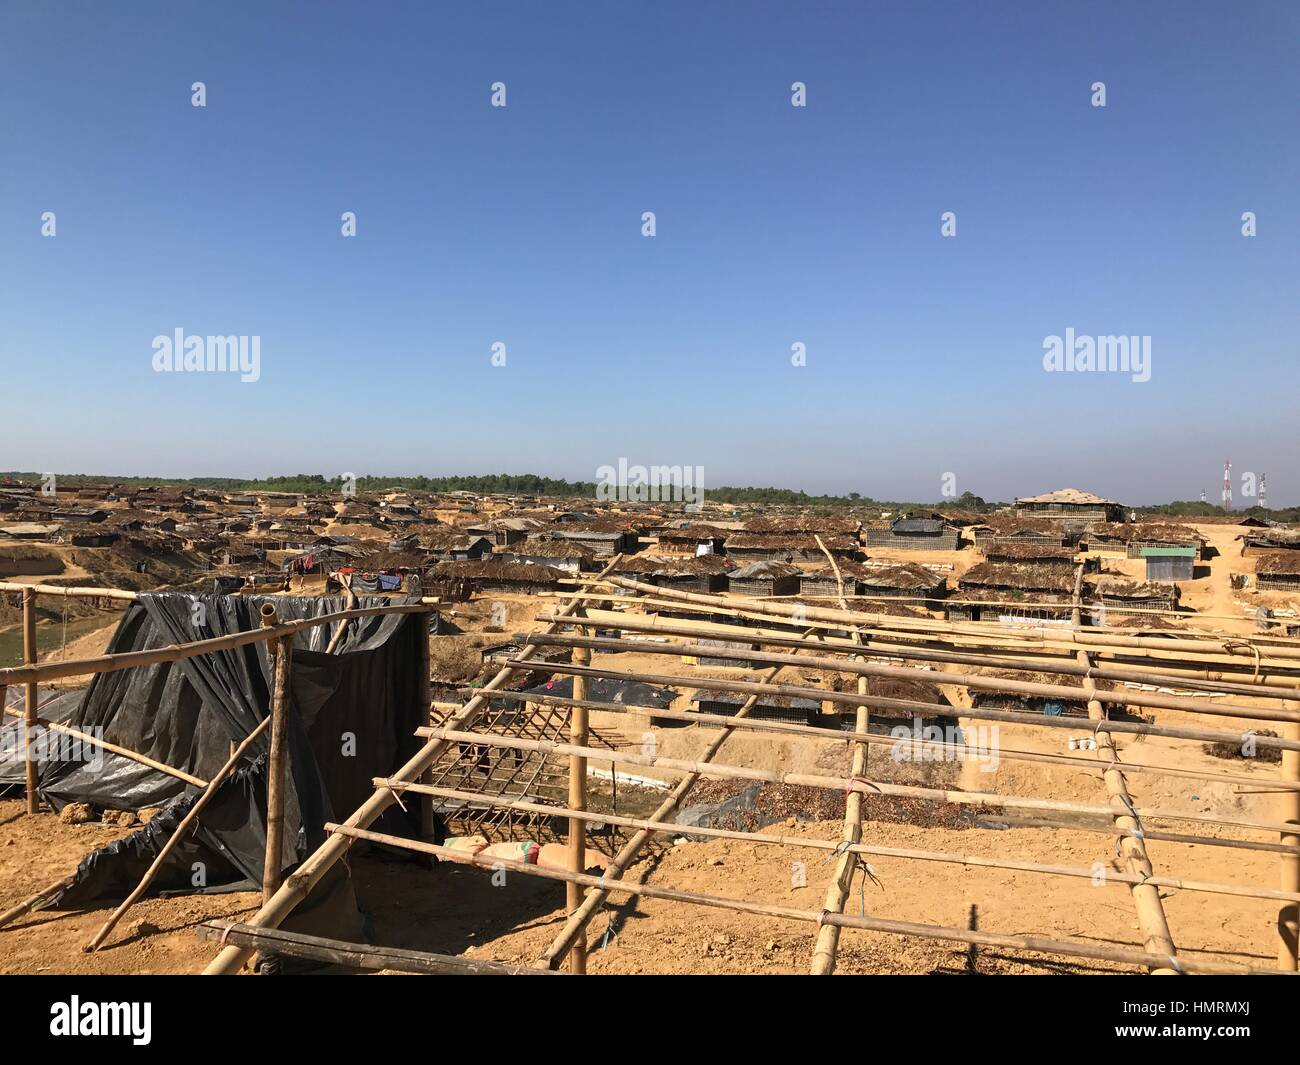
{"x": 457, "y": 910}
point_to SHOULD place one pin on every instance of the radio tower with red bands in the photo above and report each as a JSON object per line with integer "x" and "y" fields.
{"x": 1227, "y": 486}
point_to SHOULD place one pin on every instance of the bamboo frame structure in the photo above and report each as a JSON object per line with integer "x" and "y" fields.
{"x": 279, "y": 637}
{"x": 30, "y": 706}
{"x": 578, "y": 737}
{"x": 1207, "y": 677}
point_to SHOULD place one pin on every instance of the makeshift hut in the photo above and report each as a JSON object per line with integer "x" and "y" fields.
{"x": 764, "y": 578}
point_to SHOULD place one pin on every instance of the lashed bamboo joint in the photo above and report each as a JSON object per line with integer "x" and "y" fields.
{"x": 1202, "y": 679}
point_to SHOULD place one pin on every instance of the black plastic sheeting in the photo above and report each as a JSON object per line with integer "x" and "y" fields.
{"x": 353, "y": 716}
{"x": 610, "y": 690}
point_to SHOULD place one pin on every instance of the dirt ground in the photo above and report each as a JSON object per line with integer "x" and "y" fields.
{"x": 457, "y": 910}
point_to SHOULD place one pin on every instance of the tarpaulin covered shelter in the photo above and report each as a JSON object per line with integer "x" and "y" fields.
{"x": 353, "y": 715}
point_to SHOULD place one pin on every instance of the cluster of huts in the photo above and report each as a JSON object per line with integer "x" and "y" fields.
{"x": 460, "y": 544}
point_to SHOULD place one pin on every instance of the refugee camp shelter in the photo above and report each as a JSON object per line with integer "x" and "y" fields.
{"x": 1070, "y": 506}
{"x": 1169, "y": 563}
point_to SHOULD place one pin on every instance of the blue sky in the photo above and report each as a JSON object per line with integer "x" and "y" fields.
{"x": 776, "y": 225}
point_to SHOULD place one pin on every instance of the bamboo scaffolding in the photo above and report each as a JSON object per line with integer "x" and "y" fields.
{"x": 189, "y": 819}
{"x": 880, "y": 636}
{"x": 578, "y": 734}
{"x": 629, "y": 852}
{"x": 297, "y": 886}
{"x": 113, "y": 663}
{"x": 1289, "y": 656}
{"x": 78, "y": 592}
{"x": 32, "y": 700}
{"x": 827, "y": 735}
{"x": 976, "y": 860}
{"x": 1067, "y": 666}
{"x": 915, "y": 707}
{"x": 1146, "y": 896}
{"x": 933, "y": 677}
{"x": 837, "y": 891}
{"x": 277, "y": 768}
{"x": 1037, "y": 944}
{"x": 356, "y": 955}
{"x": 844, "y": 784}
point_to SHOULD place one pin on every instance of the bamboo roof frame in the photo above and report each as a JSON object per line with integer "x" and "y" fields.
{"x": 872, "y": 636}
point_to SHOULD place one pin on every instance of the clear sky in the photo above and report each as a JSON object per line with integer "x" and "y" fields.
{"x": 776, "y": 225}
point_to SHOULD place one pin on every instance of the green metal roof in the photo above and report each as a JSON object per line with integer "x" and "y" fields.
{"x": 1168, "y": 552}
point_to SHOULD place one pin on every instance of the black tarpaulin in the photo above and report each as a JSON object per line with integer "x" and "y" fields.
{"x": 353, "y": 716}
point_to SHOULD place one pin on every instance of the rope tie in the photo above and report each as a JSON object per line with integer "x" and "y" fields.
{"x": 849, "y": 785}
{"x": 1235, "y": 646}
{"x": 609, "y": 927}
{"x": 1138, "y": 833}
{"x": 396, "y": 797}
{"x": 225, "y": 934}
{"x": 63, "y": 652}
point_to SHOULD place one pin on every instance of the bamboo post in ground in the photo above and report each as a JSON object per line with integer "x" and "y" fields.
{"x": 276, "y": 768}
{"x": 29, "y": 710}
{"x": 186, "y": 822}
{"x": 425, "y": 700}
{"x": 837, "y": 893}
{"x": 266, "y": 620}
{"x": 318, "y": 863}
{"x": 1146, "y": 897}
{"x": 578, "y": 729}
{"x": 1288, "y": 918}
{"x": 577, "y": 922}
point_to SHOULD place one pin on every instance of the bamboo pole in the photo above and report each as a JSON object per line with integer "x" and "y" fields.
{"x": 58, "y": 589}
{"x": 837, "y": 892}
{"x": 189, "y": 819}
{"x": 29, "y": 714}
{"x": 357, "y": 955}
{"x": 1288, "y": 918}
{"x": 935, "y": 678}
{"x": 834, "y": 783}
{"x": 33, "y": 901}
{"x": 927, "y": 652}
{"x": 1038, "y": 641}
{"x": 825, "y": 735}
{"x": 1037, "y": 944}
{"x": 629, "y": 852}
{"x": 277, "y": 768}
{"x": 1286, "y": 655}
{"x": 1146, "y": 896}
{"x": 578, "y": 801}
{"x": 424, "y": 701}
{"x": 297, "y": 886}
{"x": 343, "y": 625}
{"x": 125, "y": 752}
{"x": 976, "y": 860}
{"x": 913, "y": 706}
{"x": 113, "y": 663}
